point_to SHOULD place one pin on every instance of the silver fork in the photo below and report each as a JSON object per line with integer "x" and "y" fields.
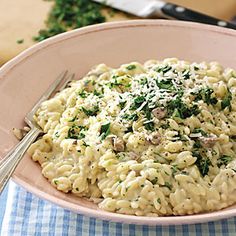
{"x": 11, "y": 160}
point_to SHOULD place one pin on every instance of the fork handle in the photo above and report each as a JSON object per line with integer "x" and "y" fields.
{"x": 11, "y": 160}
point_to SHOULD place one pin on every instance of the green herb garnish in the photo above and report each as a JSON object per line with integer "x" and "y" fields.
{"x": 83, "y": 94}
{"x": 177, "y": 108}
{"x": 163, "y": 69}
{"x": 186, "y": 74}
{"x": 132, "y": 117}
{"x": 205, "y": 94}
{"x": 199, "y": 130}
{"x": 149, "y": 126}
{"x": 105, "y": 130}
{"x": 131, "y": 67}
{"x": 74, "y": 132}
{"x": 168, "y": 185}
{"x": 122, "y": 104}
{"x": 166, "y": 84}
{"x": 202, "y": 163}
{"x": 91, "y": 112}
{"x": 154, "y": 181}
{"x": 224, "y": 160}
{"x": 137, "y": 102}
{"x": 226, "y": 102}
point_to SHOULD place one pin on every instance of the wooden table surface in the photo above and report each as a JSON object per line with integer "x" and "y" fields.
{"x": 22, "y": 19}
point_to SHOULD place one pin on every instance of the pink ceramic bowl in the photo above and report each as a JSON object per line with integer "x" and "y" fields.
{"x": 24, "y": 78}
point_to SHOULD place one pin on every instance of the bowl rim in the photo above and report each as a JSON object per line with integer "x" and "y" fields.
{"x": 142, "y": 220}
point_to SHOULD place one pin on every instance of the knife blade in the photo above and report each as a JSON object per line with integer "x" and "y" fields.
{"x": 162, "y": 9}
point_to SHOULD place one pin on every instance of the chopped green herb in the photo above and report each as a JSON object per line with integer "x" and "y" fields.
{"x": 73, "y": 119}
{"x": 83, "y": 94}
{"x": 70, "y": 14}
{"x": 177, "y": 108}
{"x": 174, "y": 169}
{"x": 129, "y": 129}
{"x": 138, "y": 101}
{"x": 154, "y": 181}
{"x": 122, "y": 104}
{"x": 163, "y": 69}
{"x": 96, "y": 93}
{"x": 143, "y": 81}
{"x": 226, "y": 102}
{"x": 205, "y": 94}
{"x": 114, "y": 83}
{"x": 142, "y": 185}
{"x": 166, "y": 173}
{"x": 20, "y": 41}
{"x": 159, "y": 200}
{"x": 105, "y": 130}
{"x": 186, "y": 74}
{"x": 56, "y": 182}
{"x": 91, "y": 112}
{"x": 132, "y": 117}
{"x": 224, "y": 160}
{"x": 168, "y": 185}
{"x": 199, "y": 130}
{"x": 165, "y": 84}
{"x": 202, "y": 163}
{"x": 57, "y": 135}
{"x": 131, "y": 67}
{"x": 149, "y": 126}
{"x": 164, "y": 126}
{"x": 197, "y": 144}
{"x": 74, "y": 132}
{"x": 85, "y": 144}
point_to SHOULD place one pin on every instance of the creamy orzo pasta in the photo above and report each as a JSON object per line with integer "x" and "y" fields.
{"x": 154, "y": 139}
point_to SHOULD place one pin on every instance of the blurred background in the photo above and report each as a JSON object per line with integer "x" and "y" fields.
{"x": 26, "y": 22}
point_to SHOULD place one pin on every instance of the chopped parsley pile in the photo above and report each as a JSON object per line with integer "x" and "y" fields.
{"x": 70, "y": 14}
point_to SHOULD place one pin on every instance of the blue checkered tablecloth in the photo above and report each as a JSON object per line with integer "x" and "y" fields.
{"x": 22, "y": 213}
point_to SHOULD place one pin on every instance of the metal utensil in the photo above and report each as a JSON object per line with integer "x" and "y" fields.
{"x": 162, "y": 9}
{"x": 11, "y": 160}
